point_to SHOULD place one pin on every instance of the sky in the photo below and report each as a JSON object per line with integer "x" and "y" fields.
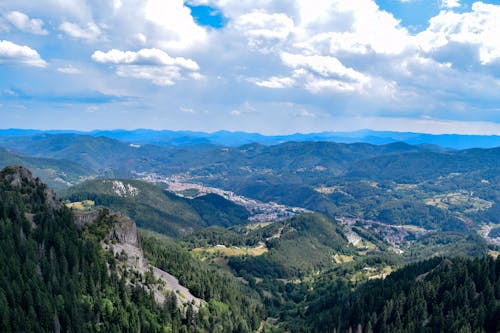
{"x": 267, "y": 66}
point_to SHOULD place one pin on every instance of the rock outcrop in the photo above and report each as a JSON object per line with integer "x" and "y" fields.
{"x": 19, "y": 177}
{"x": 123, "y": 240}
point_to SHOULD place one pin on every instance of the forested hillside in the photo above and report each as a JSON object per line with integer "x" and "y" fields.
{"x": 53, "y": 279}
{"x": 156, "y": 209}
{"x": 438, "y": 295}
{"x": 57, "y": 277}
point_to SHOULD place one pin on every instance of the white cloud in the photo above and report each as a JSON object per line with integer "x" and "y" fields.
{"x": 449, "y": 4}
{"x": 11, "y": 53}
{"x": 117, "y": 4}
{"x": 479, "y": 28}
{"x": 69, "y": 70}
{"x": 22, "y": 22}
{"x": 339, "y": 57}
{"x": 325, "y": 66}
{"x": 176, "y": 23}
{"x": 264, "y": 30}
{"x": 276, "y": 82}
{"x": 324, "y": 73}
{"x": 90, "y": 32}
{"x": 141, "y": 38}
{"x": 151, "y": 64}
{"x": 161, "y": 76}
{"x": 144, "y": 57}
{"x": 197, "y": 76}
{"x": 350, "y": 26}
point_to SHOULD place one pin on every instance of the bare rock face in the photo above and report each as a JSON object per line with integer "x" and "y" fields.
{"x": 125, "y": 243}
{"x": 123, "y": 240}
{"x": 124, "y": 231}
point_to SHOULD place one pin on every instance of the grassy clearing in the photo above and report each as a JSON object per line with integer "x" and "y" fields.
{"x": 342, "y": 259}
{"x": 459, "y": 199}
{"x": 223, "y": 251}
{"x": 81, "y": 205}
{"x": 371, "y": 273}
{"x": 494, "y": 254}
{"x": 258, "y": 225}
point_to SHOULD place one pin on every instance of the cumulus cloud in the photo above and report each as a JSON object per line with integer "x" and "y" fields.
{"x": 176, "y": 23}
{"x": 22, "y": 22}
{"x": 11, "y": 53}
{"x": 90, "y": 32}
{"x": 330, "y": 56}
{"x": 144, "y": 57}
{"x": 478, "y": 28}
{"x": 150, "y": 64}
{"x": 264, "y": 30}
{"x": 354, "y": 27}
{"x": 324, "y": 72}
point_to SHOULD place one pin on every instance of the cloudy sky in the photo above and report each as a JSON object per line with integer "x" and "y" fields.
{"x": 269, "y": 66}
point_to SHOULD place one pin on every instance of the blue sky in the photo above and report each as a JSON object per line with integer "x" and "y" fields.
{"x": 262, "y": 66}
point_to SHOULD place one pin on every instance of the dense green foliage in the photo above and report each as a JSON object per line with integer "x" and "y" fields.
{"x": 438, "y": 295}
{"x": 216, "y": 235}
{"x": 305, "y": 244}
{"x": 53, "y": 279}
{"x": 232, "y": 306}
{"x": 215, "y": 210}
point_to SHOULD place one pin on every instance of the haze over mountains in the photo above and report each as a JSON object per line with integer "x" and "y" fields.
{"x": 233, "y": 139}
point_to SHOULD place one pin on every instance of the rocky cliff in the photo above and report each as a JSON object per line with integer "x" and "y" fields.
{"x": 123, "y": 240}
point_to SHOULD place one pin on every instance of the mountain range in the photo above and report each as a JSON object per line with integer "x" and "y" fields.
{"x": 234, "y": 139}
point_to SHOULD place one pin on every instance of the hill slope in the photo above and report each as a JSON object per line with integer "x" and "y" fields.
{"x": 57, "y": 173}
{"x": 155, "y": 209}
{"x": 302, "y": 245}
{"x": 438, "y": 295}
{"x": 60, "y": 276}
{"x": 54, "y": 278}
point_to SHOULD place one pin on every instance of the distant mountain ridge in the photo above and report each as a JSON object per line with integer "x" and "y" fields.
{"x": 233, "y": 139}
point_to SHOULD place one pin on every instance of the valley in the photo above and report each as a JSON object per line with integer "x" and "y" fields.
{"x": 267, "y": 237}
{"x": 259, "y": 211}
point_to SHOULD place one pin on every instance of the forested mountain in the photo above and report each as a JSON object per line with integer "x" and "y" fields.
{"x": 421, "y": 166}
{"x": 438, "y": 295}
{"x": 58, "y": 276}
{"x": 395, "y": 183}
{"x": 53, "y": 278}
{"x": 156, "y": 209}
{"x": 300, "y": 246}
{"x": 103, "y": 153}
